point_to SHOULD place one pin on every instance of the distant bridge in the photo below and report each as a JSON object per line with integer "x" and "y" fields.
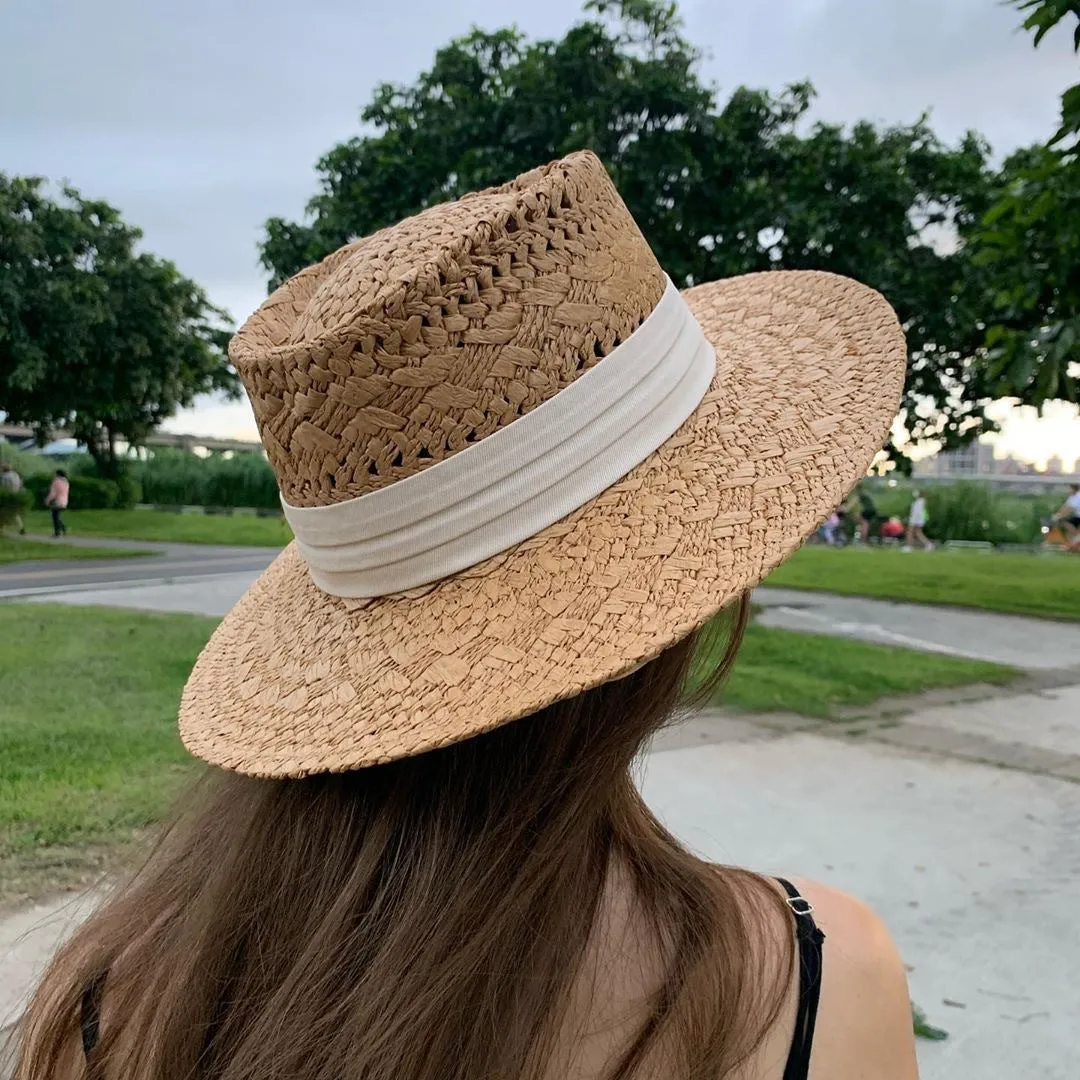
{"x": 16, "y": 432}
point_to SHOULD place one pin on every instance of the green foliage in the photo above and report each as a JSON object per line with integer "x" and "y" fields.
{"x": 179, "y": 478}
{"x": 971, "y": 511}
{"x": 1018, "y": 584}
{"x": 158, "y": 526}
{"x": 95, "y": 336}
{"x": 85, "y": 492}
{"x": 818, "y": 675}
{"x": 129, "y": 489}
{"x": 13, "y": 550}
{"x": 89, "y": 751}
{"x": 13, "y": 504}
{"x": 1029, "y": 241}
{"x": 1044, "y": 15}
{"x": 923, "y": 1028}
{"x": 718, "y": 189}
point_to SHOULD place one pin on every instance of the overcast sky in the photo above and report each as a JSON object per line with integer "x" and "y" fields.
{"x": 201, "y": 119}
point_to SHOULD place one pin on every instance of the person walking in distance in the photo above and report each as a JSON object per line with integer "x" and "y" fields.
{"x": 866, "y": 515}
{"x": 11, "y": 481}
{"x": 57, "y": 501}
{"x": 917, "y": 519}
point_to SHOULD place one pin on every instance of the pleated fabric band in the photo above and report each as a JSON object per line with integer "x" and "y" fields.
{"x": 523, "y": 477}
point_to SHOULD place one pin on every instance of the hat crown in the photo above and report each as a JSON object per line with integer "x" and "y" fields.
{"x": 403, "y": 348}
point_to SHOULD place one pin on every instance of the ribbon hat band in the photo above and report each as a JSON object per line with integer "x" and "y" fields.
{"x": 524, "y": 477}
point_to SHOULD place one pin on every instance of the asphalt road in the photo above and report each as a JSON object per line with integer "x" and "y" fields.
{"x": 170, "y": 562}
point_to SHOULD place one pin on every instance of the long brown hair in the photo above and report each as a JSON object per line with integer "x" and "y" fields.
{"x": 423, "y": 920}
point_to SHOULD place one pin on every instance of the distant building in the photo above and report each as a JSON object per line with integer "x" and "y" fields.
{"x": 975, "y": 459}
{"x": 1010, "y": 466}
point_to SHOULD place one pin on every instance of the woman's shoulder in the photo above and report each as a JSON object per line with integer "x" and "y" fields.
{"x": 864, "y": 1023}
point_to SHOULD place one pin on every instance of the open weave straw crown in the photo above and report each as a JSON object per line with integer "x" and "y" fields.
{"x": 407, "y": 346}
{"x": 415, "y": 345}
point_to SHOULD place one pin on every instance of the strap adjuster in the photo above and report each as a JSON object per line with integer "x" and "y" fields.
{"x": 800, "y": 905}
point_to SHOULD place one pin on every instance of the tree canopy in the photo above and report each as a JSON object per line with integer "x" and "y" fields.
{"x": 718, "y": 188}
{"x": 1030, "y": 242}
{"x": 95, "y": 336}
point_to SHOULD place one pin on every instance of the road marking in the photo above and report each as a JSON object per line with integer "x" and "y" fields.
{"x": 109, "y": 586}
{"x": 876, "y": 632}
{"x": 168, "y": 567}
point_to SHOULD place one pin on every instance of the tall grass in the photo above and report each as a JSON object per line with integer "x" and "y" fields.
{"x": 180, "y": 478}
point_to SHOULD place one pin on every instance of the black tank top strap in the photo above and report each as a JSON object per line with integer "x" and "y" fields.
{"x": 809, "y": 939}
{"x": 90, "y": 1020}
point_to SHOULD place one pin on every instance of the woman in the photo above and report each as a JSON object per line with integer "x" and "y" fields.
{"x": 522, "y": 471}
{"x": 917, "y": 520}
{"x": 57, "y": 500}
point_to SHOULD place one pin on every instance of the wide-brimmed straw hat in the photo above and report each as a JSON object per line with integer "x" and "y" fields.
{"x": 518, "y": 463}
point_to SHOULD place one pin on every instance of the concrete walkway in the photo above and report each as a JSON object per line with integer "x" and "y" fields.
{"x": 211, "y": 594}
{"x": 1031, "y": 644}
{"x": 169, "y": 562}
{"x": 976, "y": 870}
{"x": 28, "y": 939}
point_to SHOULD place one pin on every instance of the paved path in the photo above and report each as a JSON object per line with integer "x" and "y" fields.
{"x": 975, "y": 868}
{"x": 170, "y": 562}
{"x": 214, "y": 583}
{"x": 982, "y": 635}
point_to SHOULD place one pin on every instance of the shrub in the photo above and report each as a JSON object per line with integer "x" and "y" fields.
{"x": 86, "y": 492}
{"x": 969, "y": 510}
{"x": 13, "y": 504}
{"x": 129, "y": 490}
{"x": 179, "y": 478}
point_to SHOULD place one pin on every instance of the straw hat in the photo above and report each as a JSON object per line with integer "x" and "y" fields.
{"x": 518, "y": 463}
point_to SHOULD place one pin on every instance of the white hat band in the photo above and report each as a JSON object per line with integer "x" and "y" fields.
{"x": 522, "y": 478}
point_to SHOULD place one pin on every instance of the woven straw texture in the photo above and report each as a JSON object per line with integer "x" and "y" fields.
{"x": 406, "y": 347}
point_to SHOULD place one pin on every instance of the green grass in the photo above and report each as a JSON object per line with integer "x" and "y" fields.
{"x": 89, "y": 752}
{"x": 815, "y": 675}
{"x": 1047, "y": 586}
{"x": 156, "y": 525}
{"x": 18, "y": 550}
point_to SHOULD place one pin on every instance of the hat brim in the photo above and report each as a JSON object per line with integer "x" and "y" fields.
{"x": 810, "y": 367}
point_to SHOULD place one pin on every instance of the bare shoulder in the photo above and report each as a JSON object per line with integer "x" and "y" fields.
{"x": 864, "y": 1024}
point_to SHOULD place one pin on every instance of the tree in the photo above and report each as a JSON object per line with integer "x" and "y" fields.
{"x": 1030, "y": 241}
{"x": 96, "y": 337}
{"x": 718, "y": 191}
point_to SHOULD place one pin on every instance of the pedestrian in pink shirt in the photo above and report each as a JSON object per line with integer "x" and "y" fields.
{"x": 57, "y": 500}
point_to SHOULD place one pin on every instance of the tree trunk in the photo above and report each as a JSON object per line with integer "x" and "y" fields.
{"x": 101, "y": 446}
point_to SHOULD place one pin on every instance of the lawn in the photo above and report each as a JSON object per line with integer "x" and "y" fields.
{"x": 815, "y": 675}
{"x": 17, "y": 550}
{"x": 156, "y": 525}
{"x": 1041, "y": 585}
{"x": 89, "y": 754}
